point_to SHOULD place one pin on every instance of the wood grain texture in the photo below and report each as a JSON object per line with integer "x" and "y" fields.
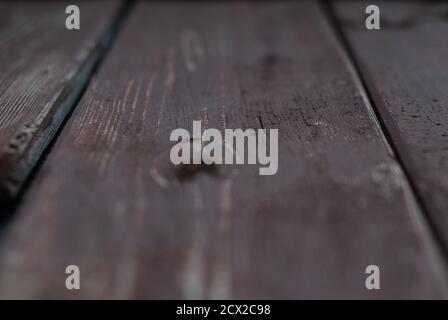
{"x": 406, "y": 68}
{"x": 108, "y": 200}
{"x": 43, "y": 67}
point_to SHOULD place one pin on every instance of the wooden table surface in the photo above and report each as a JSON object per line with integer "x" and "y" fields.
{"x": 85, "y": 123}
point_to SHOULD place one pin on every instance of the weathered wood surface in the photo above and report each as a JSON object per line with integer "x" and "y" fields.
{"x": 107, "y": 199}
{"x": 43, "y": 67}
{"x": 406, "y": 68}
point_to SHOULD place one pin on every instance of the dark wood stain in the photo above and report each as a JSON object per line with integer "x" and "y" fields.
{"x": 111, "y": 203}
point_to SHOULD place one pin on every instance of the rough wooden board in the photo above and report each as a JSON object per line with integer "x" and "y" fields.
{"x": 406, "y": 68}
{"x": 43, "y": 67}
{"x": 338, "y": 203}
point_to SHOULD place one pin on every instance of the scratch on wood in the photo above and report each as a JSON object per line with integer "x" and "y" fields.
{"x": 133, "y": 107}
{"x": 147, "y": 104}
{"x": 169, "y": 82}
{"x": 193, "y": 276}
{"x": 360, "y": 90}
{"x": 220, "y": 287}
{"x": 158, "y": 178}
{"x": 193, "y": 49}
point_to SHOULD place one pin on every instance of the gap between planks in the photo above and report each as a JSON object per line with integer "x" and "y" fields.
{"x": 68, "y": 100}
{"x": 437, "y": 252}
{"x": 73, "y": 94}
{"x": 208, "y": 208}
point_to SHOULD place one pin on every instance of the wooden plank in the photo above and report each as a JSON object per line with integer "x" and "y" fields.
{"x": 43, "y": 69}
{"x": 406, "y": 70}
{"x": 108, "y": 200}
